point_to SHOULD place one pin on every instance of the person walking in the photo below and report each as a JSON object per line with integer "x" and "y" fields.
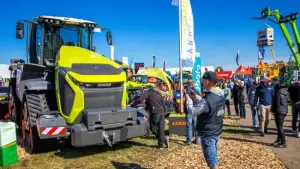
{"x": 227, "y": 94}
{"x": 156, "y": 107}
{"x": 263, "y": 98}
{"x": 191, "y": 121}
{"x": 210, "y": 115}
{"x": 242, "y": 96}
{"x": 280, "y": 109}
{"x": 294, "y": 95}
{"x": 251, "y": 98}
{"x": 235, "y": 97}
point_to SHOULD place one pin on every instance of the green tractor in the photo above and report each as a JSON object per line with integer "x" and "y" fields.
{"x": 66, "y": 91}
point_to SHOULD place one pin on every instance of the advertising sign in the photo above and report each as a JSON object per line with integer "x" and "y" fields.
{"x": 137, "y": 66}
{"x": 224, "y": 75}
{"x": 197, "y": 74}
{"x": 265, "y": 37}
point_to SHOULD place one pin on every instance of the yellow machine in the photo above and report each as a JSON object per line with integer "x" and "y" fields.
{"x": 67, "y": 90}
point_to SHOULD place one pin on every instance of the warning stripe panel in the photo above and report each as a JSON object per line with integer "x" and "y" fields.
{"x": 50, "y": 131}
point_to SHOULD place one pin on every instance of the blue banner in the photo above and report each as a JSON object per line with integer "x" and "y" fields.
{"x": 197, "y": 73}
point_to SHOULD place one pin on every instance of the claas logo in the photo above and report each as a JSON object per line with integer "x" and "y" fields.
{"x": 178, "y": 123}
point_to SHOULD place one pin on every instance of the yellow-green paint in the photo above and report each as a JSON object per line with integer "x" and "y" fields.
{"x": 156, "y": 72}
{"x": 69, "y": 55}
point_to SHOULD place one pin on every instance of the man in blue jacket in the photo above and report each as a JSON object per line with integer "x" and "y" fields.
{"x": 210, "y": 114}
{"x": 263, "y": 98}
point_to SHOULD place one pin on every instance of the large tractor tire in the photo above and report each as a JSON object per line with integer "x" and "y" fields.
{"x": 33, "y": 105}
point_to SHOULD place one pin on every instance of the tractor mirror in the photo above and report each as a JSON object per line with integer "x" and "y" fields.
{"x": 20, "y": 30}
{"x": 109, "y": 38}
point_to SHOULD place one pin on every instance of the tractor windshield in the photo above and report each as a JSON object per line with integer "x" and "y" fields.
{"x": 55, "y": 37}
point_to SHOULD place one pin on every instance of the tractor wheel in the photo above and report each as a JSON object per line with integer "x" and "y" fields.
{"x": 30, "y": 136}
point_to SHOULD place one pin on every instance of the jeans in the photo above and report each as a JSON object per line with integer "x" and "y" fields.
{"x": 242, "y": 110}
{"x": 279, "y": 119}
{"x": 295, "y": 111}
{"x": 157, "y": 127}
{"x": 190, "y": 126}
{"x": 255, "y": 113}
{"x": 210, "y": 149}
{"x": 265, "y": 112}
{"x": 236, "y": 106}
{"x": 227, "y": 102}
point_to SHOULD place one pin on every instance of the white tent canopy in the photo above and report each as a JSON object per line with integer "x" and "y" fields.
{"x": 4, "y": 71}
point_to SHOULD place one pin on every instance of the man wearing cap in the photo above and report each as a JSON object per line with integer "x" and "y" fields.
{"x": 263, "y": 98}
{"x": 210, "y": 115}
{"x": 155, "y": 105}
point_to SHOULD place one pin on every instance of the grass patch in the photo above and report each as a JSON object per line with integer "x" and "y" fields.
{"x": 235, "y": 151}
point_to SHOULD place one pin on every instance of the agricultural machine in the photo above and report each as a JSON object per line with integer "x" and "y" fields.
{"x": 287, "y": 73}
{"x": 66, "y": 91}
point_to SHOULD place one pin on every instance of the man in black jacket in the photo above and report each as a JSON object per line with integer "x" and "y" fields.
{"x": 236, "y": 97}
{"x": 155, "y": 105}
{"x": 210, "y": 115}
{"x": 280, "y": 109}
{"x": 242, "y": 97}
{"x": 294, "y": 91}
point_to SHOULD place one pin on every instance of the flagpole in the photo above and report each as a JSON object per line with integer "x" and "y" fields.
{"x": 180, "y": 53}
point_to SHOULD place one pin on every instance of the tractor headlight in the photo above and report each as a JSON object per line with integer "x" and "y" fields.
{"x": 76, "y": 82}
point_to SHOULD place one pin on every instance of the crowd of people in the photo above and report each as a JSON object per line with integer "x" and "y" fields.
{"x": 265, "y": 99}
{"x": 205, "y": 112}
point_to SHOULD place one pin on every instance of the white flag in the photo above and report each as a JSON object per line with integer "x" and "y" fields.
{"x": 175, "y": 2}
{"x": 125, "y": 60}
{"x": 187, "y": 32}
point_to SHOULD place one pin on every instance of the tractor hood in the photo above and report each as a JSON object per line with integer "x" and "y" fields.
{"x": 69, "y": 55}
{"x": 81, "y": 62}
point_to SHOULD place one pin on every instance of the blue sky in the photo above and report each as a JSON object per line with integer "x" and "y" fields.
{"x": 142, "y": 28}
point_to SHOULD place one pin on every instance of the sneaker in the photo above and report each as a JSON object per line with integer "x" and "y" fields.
{"x": 196, "y": 141}
{"x": 188, "y": 143}
{"x": 294, "y": 133}
{"x": 161, "y": 149}
{"x": 281, "y": 146}
{"x": 276, "y": 143}
{"x": 262, "y": 134}
{"x": 298, "y": 135}
{"x": 167, "y": 142}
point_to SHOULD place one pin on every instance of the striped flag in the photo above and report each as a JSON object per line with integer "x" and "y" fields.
{"x": 175, "y": 2}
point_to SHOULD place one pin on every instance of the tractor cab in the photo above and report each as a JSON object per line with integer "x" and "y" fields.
{"x": 48, "y": 34}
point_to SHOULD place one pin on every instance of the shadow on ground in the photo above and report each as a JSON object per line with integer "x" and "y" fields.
{"x": 75, "y": 152}
{"x": 252, "y": 131}
{"x": 245, "y": 140}
{"x": 119, "y": 165}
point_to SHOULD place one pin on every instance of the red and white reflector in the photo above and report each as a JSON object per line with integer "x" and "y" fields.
{"x": 51, "y": 131}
